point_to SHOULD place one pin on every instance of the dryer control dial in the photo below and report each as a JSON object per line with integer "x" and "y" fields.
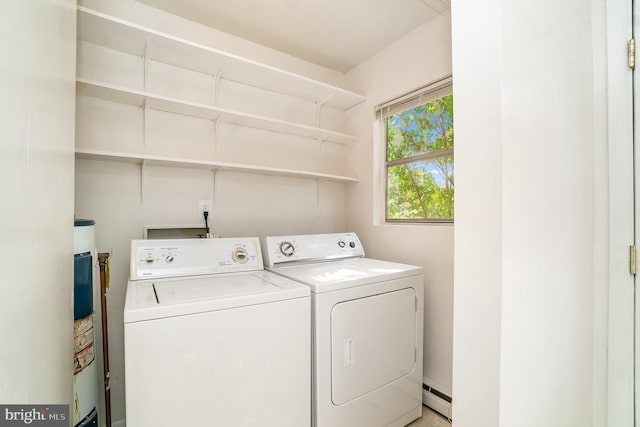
{"x": 149, "y": 259}
{"x": 169, "y": 258}
{"x": 287, "y": 249}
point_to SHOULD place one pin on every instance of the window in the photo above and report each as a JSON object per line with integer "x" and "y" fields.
{"x": 418, "y": 133}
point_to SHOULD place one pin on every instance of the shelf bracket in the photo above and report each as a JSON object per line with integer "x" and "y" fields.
{"x": 213, "y": 189}
{"x": 319, "y": 105}
{"x": 143, "y": 167}
{"x": 145, "y": 108}
{"x": 215, "y": 136}
{"x": 216, "y": 84}
{"x": 147, "y": 59}
{"x": 319, "y": 154}
{"x": 145, "y": 113}
{"x": 318, "y": 197}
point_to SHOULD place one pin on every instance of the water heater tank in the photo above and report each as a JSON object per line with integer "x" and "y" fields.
{"x": 85, "y": 373}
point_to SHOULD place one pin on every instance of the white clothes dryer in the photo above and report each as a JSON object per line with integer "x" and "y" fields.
{"x": 367, "y": 318}
{"x": 211, "y": 339}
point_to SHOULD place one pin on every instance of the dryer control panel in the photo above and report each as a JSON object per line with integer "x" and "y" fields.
{"x": 187, "y": 257}
{"x": 311, "y": 247}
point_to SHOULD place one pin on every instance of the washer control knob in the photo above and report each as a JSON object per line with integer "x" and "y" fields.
{"x": 240, "y": 255}
{"x": 287, "y": 249}
{"x": 341, "y": 243}
{"x": 352, "y": 244}
{"x": 169, "y": 258}
{"x": 149, "y": 259}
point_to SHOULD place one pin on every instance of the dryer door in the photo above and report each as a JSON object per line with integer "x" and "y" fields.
{"x": 373, "y": 342}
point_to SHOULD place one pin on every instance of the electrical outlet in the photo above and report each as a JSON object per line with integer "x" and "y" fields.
{"x": 205, "y": 206}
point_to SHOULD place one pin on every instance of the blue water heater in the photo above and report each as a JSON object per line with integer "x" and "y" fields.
{"x": 85, "y": 373}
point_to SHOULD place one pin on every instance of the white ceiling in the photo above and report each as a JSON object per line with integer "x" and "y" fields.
{"x": 338, "y": 34}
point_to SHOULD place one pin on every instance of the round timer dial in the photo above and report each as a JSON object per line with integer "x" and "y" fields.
{"x": 287, "y": 249}
{"x": 240, "y": 255}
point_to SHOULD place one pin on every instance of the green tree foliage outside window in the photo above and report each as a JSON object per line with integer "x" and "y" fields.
{"x": 420, "y": 178}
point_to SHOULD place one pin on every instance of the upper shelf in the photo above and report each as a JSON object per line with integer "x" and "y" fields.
{"x": 140, "y": 98}
{"x": 115, "y": 33}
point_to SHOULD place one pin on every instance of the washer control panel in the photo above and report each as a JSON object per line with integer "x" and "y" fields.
{"x": 185, "y": 257}
{"x": 311, "y": 247}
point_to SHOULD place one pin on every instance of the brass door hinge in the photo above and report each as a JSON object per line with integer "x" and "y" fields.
{"x": 631, "y": 49}
{"x": 632, "y": 259}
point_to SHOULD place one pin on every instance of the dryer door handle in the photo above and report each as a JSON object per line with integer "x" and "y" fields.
{"x": 349, "y": 352}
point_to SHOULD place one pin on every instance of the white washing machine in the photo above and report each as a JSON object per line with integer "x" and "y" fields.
{"x": 367, "y": 319}
{"x": 211, "y": 339}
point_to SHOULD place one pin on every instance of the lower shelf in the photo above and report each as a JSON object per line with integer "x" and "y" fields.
{"x": 203, "y": 164}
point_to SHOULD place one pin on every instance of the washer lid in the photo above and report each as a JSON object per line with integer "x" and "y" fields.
{"x": 347, "y": 273}
{"x": 154, "y": 299}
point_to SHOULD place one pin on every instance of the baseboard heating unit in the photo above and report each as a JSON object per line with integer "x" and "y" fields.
{"x": 436, "y": 400}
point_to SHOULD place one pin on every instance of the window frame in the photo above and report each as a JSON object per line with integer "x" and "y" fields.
{"x": 421, "y": 96}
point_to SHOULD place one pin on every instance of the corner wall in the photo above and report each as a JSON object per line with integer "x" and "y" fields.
{"x": 479, "y": 218}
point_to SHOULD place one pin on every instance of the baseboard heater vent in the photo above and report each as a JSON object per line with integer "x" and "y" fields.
{"x": 436, "y": 400}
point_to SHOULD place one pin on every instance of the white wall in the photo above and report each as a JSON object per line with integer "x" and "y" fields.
{"x": 531, "y": 221}
{"x": 419, "y": 58}
{"x": 36, "y": 213}
{"x": 123, "y": 197}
